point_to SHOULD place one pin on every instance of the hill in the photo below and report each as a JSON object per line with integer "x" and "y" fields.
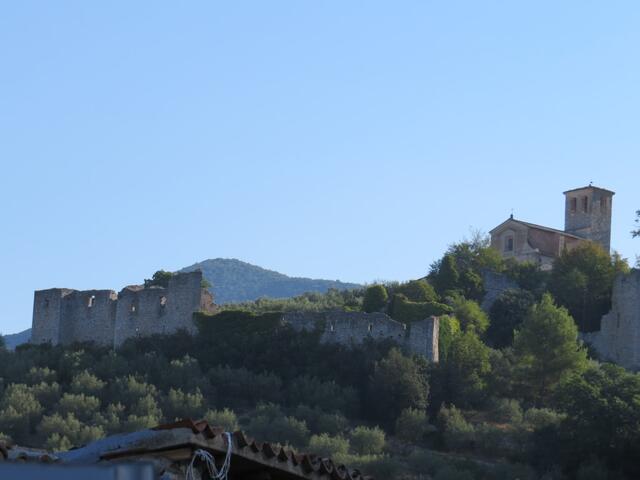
{"x": 15, "y": 339}
{"x": 236, "y": 281}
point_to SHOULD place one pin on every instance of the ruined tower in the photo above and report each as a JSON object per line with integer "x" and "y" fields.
{"x": 587, "y": 214}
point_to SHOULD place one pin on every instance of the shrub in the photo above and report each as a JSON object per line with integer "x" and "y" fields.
{"x": 412, "y": 425}
{"x": 184, "y": 405}
{"x": 62, "y": 431}
{"x": 539, "y": 418}
{"x": 87, "y": 383}
{"x": 325, "y": 445}
{"x": 226, "y": 419}
{"x": 417, "y": 291}
{"x": 506, "y": 410}
{"x": 37, "y": 375}
{"x": 327, "y": 396}
{"x": 367, "y": 441}
{"x": 320, "y": 422}
{"x": 457, "y": 433}
{"x": 81, "y": 405}
{"x": 405, "y": 310}
{"x": 375, "y": 298}
{"x": 46, "y": 393}
{"x": 470, "y": 316}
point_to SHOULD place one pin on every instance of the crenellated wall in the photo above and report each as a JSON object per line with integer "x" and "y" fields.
{"x": 64, "y": 316}
{"x": 352, "y": 328}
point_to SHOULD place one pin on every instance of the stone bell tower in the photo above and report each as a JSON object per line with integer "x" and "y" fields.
{"x": 587, "y": 214}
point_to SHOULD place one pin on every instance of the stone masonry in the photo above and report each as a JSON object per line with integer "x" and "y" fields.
{"x": 618, "y": 339}
{"x": 352, "y": 328}
{"x": 64, "y": 316}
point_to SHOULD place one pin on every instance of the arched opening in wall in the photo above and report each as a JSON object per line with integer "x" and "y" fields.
{"x": 574, "y": 204}
{"x": 132, "y": 308}
{"x": 331, "y": 328}
{"x": 585, "y": 204}
{"x": 92, "y": 301}
{"x": 163, "y": 301}
{"x": 370, "y": 327}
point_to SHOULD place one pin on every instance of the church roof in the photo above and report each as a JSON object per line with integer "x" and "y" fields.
{"x": 537, "y": 227}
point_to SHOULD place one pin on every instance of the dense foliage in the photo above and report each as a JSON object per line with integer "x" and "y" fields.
{"x": 513, "y": 396}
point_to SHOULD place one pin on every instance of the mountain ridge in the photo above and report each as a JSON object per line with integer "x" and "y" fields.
{"x": 236, "y": 281}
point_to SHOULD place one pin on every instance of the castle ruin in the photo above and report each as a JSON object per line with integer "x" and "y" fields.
{"x": 353, "y": 328}
{"x": 64, "y": 316}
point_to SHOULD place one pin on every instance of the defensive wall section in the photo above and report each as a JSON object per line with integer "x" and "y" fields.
{"x": 618, "y": 339}
{"x": 64, "y": 316}
{"x": 353, "y": 328}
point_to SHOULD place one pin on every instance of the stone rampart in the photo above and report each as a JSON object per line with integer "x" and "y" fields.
{"x": 352, "y": 328}
{"x": 64, "y": 316}
{"x": 618, "y": 339}
{"x": 494, "y": 285}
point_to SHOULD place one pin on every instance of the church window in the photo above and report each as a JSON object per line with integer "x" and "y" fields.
{"x": 92, "y": 301}
{"x": 574, "y": 204}
{"x": 370, "y": 326}
{"x": 508, "y": 244}
{"x": 133, "y": 307}
{"x": 603, "y": 203}
{"x": 163, "y": 301}
{"x": 585, "y": 204}
{"x": 331, "y": 328}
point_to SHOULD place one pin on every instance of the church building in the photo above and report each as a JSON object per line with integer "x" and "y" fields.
{"x": 587, "y": 217}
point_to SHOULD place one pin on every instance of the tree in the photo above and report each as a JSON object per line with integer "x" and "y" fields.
{"x": 582, "y": 281}
{"x": 460, "y": 269}
{"x": 325, "y": 445}
{"x": 398, "y": 382}
{"x": 602, "y": 418}
{"x": 464, "y": 373}
{"x": 547, "y": 349}
{"x": 160, "y": 278}
{"x": 507, "y": 314}
{"x": 412, "y": 425}
{"x": 367, "y": 441}
{"x": 417, "y": 291}
{"x": 375, "y": 298}
{"x": 636, "y": 233}
{"x": 470, "y": 315}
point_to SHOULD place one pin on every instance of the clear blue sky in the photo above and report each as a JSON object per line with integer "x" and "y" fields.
{"x": 349, "y": 140}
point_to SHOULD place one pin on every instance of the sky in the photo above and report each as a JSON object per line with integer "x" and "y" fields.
{"x": 328, "y": 139}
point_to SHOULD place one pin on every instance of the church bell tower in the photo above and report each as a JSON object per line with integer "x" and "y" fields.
{"x": 587, "y": 214}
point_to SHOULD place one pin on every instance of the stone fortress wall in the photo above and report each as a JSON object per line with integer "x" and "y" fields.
{"x": 618, "y": 339}
{"x": 352, "y": 328}
{"x": 63, "y": 316}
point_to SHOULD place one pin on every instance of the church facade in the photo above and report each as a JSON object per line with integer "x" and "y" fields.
{"x": 587, "y": 217}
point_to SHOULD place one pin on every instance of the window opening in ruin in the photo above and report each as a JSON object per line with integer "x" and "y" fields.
{"x": 163, "y": 301}
{"x": 508, "y": 246}
{"x": 133, "y": 307}
{"x": 585, "y": 204}
{"x": 574, "y": 204}
{"x": 92, "y": 301}
{"x": 331, "y": 329}
{"x": 603, "y": 203}
{"x": 370, "y": 326}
